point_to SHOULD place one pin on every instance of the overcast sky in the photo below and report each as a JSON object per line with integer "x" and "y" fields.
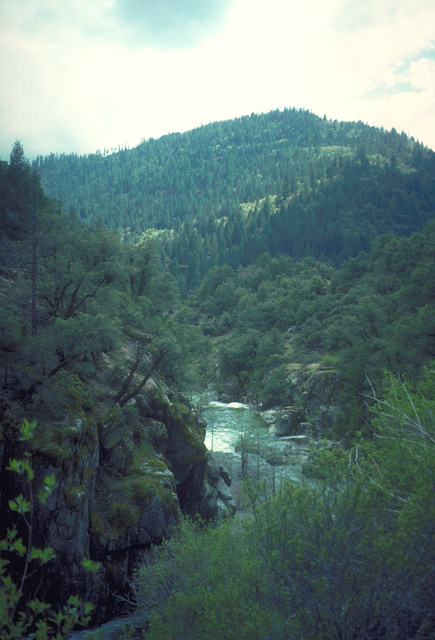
{"x": 82, "y": 75}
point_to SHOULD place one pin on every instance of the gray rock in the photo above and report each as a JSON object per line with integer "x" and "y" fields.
{"x": 225, "y": 475}
{"x": 270, "y": 416}
{"x": 157, "y": 433}
{"x": 216, "y": 470}
{"x": 304, "y": 429}
{"x": 112, "y": 630}
{"x": 111, "y": 434}
{"x": 290, "y": 332}
{"x": 226, "y": 509}
{"x": 224, "y": 492}
{"x": 118, "y": 488}
{"x": 155, "y": 523}
{"x": 288, "y": 423}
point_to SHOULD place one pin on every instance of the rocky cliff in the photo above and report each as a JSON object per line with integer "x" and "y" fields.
{"x": 125, "y": 472}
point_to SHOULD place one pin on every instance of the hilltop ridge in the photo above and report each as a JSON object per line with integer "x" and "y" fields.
{"x": 286, "y": 182}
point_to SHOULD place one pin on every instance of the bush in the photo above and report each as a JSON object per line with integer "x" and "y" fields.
{"x": 206, "y": 583}
{"x": 275, "y": 390}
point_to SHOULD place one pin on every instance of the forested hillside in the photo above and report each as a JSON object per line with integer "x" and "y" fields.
{"x": 277, "y": 222}
{"x": 69, "y": 292}
{"x": 278, "y": 315}
{"x": 282, "y": 260}
{"x": 286, "y": 182}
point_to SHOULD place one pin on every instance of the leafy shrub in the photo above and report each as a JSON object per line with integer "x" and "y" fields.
{"x": 275, "y": 390}
{"x": 206, "y": 583}
{"x": 353, "y": 555}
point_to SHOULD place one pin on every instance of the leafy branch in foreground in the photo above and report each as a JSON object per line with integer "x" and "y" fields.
{"x": 20, "y": 614}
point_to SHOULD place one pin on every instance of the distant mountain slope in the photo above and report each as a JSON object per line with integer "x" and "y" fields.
{"x": 286, "y": 182}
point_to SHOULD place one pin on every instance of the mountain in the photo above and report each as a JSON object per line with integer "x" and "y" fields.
{"x": 286, "y": 182}
{"x": 303, "y": 250}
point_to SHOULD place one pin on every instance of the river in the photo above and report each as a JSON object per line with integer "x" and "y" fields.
{"x": 239, "y": 436}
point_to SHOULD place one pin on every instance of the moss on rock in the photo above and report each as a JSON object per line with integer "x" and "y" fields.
{"x": 75, "y": 496}
{"x": 121, "y": 517}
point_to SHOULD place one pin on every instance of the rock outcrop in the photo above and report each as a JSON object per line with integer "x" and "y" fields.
{"x": 218, "y": 496}
{"x": 124, "y": 472}
{"x": 315, "y": 395}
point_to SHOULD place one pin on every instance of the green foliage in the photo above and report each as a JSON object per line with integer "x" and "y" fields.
{"x": 81, "y": 290}
{"x": 404, "y": 431}
{"x": 205, "y": 583}
{"x": 354, "y": 554}
{"x": 121, "y": 517}
{"x": 20, "y": 613}
{"x": 275, "y": 389}
{"x": 71, "y": 294}
{"x": 239, "y": 355}
{"x": 354, "y": 320}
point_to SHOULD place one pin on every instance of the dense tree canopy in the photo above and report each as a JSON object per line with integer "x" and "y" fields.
{"x": 288, "y": 183}
{"x": 376, "y": 312}
{"x": 269, "y": 223}
{"x": 69, "y": 293}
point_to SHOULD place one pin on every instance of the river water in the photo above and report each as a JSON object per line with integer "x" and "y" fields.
{"x": 235, "y": 428}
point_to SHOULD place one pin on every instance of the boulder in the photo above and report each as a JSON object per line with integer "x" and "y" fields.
{"x": 157, "y": 433}
{"x": 216, "y": 470}
{"x": 209, "y": 506}
{"x": 317, "y": 394}
{"x": 218, "y": 483}
{"x": 224, "y": 491}
{"x": 288, "y": 423}
{"x": 270, "y": 416}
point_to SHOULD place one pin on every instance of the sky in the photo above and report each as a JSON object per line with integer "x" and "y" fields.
{"x": 79, "y": 76}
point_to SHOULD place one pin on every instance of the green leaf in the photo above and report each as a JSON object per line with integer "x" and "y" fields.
{"x": 90, "y": 565}
{"x": 27, "y": 429}
{"x": 43, "y": 630}
{"x": 20, "y": 505}
{"x": 50, "y": 481}
{"x": 47, "y": 489}
{"x": 19, "y": 547}
{"x": 74, "y": 601}
{"x": 21, "y": 466}
{"x": 38, "y": 607}
{"x": 14, "y": 465}
{"x": 43, "y": 555}
{"x": 89, "y": 607}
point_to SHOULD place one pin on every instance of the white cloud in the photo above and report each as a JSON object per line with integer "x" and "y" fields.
{"x": 73, "y": 80}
